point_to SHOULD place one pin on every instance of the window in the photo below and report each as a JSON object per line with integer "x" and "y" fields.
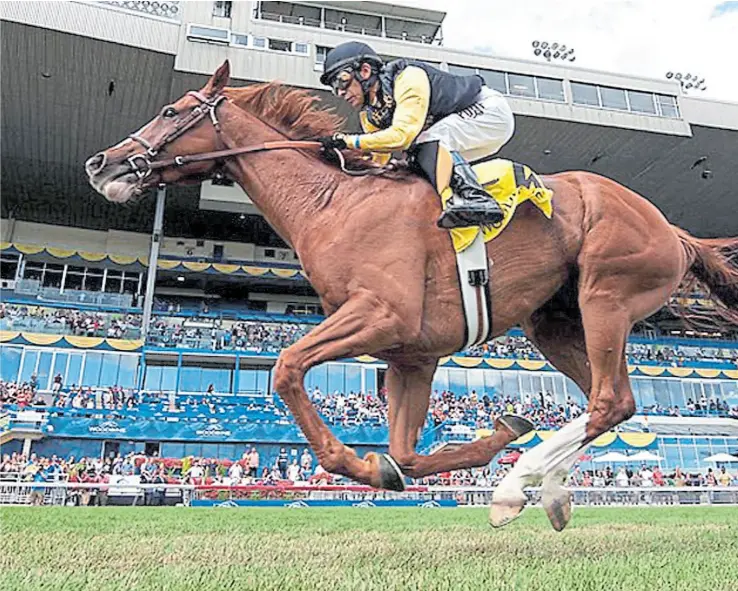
{"x": 109, "y": 369}
{"x": 74, "y": 369}
{"x": 521, "y": 85}
{"x": 301, "y": 48}
{"x": 495, "y": 80}
{"x": 93, "y": 280}
{"x": 613, "y": 98}
{"x": 189, "y": 379}
{"x": 641, "y": 102}
{"x": 168, "y": 379}
{"x": 152, "y": 379}
{"x": 222, "y": 9}
{"x": 53, "y": 275}
{"x": 93, "y": 364}
{"x": 239, "y": 39}
{"x": 492, "y": 381}
{"x": 370, "y": 379}
{"x": 75, "y": 277}
{"x": 461, "y": 70}
{"x": 280, "y": 45}
{"x": 8, "y": 266}
{"x": 321, "y": 51}
{"x": 208, "y": 34}
{"x": 60, "y": 365}
{"x": 253, "y": 381}
{"x": 259, "y": 42}
{"x": 667, "y": 105}
{"x": 353, "y": 378}
{"x": 34, "y": 271}
{"x": 317, "y": 377}
{"x": 43, "y": 369}
{"x": 336, "y": 374}
{"x": 130, "y": 282}
{"x": 10, "y": 359}
{"x": 584, "y": 94}
{"x": 114, "y": 281}
{"x": 510, "y": 386}
{"x": 550, "y": 89}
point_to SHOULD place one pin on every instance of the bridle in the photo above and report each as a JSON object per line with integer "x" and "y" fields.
{"x": 142, "y": 164}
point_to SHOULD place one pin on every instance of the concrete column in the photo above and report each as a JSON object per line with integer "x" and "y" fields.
{"x": 27, "y": 446}
{"x": 153, "y": 259}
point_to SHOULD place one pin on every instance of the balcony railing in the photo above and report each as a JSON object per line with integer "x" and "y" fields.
{"x": 169, "y": 9}
{"x": 346, "y": 27}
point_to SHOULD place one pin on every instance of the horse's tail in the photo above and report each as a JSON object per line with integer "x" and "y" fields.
{"x": 713, "y": 270}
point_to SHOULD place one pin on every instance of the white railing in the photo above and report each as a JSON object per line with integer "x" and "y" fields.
{"x": 169, "y": 9}
{"x": 130, "y": 491}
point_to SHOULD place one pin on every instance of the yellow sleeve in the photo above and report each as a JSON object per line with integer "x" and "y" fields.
{"x": 368, "y": 127}
{"x": 412, "y": 99}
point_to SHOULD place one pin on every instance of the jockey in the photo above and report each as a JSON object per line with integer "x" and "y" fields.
{"x": 444, "y": 120}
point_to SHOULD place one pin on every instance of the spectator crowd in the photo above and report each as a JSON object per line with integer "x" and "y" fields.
{"x": 288, "y": 469}
{"x": 207, "y": 332}
{"x": 476, "y": 411}
{"x": 69, "y": 321}
{"x": 217, "y": 334}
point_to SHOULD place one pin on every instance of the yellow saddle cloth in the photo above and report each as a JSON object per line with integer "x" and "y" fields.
{"x": 509, "y": 183}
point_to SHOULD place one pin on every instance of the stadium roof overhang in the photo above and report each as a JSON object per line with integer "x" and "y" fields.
{"x": 64, "y": 97}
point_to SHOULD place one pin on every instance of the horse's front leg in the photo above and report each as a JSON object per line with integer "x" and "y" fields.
{"x": 409, "y": 396}
{"x": 363, "y": 325}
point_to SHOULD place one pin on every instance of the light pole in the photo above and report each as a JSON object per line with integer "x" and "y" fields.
{"x": 553, "y": 51}
{"x": 687, "y": 81}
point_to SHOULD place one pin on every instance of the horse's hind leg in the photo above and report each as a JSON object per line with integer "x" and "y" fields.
{"x": 557, "y": 330}
{"x": 606, "y": 327}
{"x": 409, "y": 394}
{"x": 364, "y": 324}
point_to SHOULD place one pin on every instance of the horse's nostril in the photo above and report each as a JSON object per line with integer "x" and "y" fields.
{"x": 95, "y": 164}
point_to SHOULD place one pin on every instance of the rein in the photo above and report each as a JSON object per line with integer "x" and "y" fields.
{"x": 143, "y": 165}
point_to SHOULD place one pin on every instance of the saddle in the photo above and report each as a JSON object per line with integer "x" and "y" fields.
{"x": 510, "y": 184}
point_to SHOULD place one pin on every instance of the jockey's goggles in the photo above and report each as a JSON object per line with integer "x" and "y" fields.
{"x": 342, "y": 81}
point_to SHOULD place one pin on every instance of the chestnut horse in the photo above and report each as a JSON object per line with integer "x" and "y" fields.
{"x": 386, "y": 276}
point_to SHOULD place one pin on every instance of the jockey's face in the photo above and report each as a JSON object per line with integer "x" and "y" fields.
{"x": 352, "y": 94}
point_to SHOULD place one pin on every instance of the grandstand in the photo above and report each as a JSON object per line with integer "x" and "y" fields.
{"x": 124, "y": 333}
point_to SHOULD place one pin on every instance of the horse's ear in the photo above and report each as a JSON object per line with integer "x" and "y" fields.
{"x": 219, "y": 80}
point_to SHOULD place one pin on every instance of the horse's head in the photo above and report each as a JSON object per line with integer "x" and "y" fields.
{"x": 187, "y": 126}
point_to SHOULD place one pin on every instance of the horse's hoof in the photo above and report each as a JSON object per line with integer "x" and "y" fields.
{"x": 557, "y": 504}
{"x": 390, "y": 475}
{"x": 517, "y": 425}
{"x": 506, "y": 509}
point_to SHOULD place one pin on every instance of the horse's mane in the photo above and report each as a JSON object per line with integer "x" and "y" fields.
{"x": 292, "y": 111}
{"x": 296, "y": 113}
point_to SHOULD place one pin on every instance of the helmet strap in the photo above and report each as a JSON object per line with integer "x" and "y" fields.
{"x": 366, "y": 85}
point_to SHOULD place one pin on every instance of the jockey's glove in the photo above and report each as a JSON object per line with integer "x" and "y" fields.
{"x": 337, "y": 141}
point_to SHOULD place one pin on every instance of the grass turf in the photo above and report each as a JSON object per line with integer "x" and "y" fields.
{"x": 214, "y": 549}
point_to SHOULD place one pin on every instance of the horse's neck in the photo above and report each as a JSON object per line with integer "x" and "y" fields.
{"x": 289, "y": 187}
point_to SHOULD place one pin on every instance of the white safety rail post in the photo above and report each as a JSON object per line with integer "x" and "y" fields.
{"x": 156, "y": 237}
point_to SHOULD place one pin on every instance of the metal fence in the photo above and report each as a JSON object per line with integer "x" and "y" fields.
{"x": 15, "y": 490}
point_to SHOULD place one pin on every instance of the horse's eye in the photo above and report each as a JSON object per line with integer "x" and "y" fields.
{"x": 169, "y": 112}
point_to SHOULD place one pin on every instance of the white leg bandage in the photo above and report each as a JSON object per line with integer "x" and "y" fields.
{"x": 547, "y": 456}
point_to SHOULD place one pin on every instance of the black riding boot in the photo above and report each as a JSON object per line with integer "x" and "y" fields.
{"x": 470, "y": 205}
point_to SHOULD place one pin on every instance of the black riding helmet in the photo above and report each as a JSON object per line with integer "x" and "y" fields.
{"x": 348, "y": 55}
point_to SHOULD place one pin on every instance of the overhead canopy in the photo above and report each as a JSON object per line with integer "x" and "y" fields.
{"x": 611, "y": 457}
{"x": 722, "y": 458}
{"x": 645, "y": 456}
